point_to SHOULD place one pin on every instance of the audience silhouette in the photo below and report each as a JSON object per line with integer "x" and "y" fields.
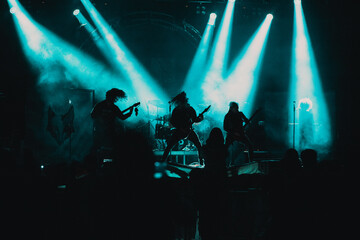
{"x": 122, "y": 199}
{"x": 210, "y": 188}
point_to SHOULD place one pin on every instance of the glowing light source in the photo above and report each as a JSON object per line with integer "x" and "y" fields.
{"x": 270, "y": 16}
{"x": 212, "y": 19}
{"x": 143, "y": 84}
{"x": 306, "y": 88}
{"x": 99, "y": 42}
{"x": 243, "y": 76}
{"x": 218, "y": 59}
{"x": 76, "y": 12}
{"x": 12, "y": 10}
{"x": 56, "y": 61}
{"x": 197, "y": 68}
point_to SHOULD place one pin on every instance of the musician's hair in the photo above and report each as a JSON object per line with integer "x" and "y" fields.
{"x": 114, "y": 93}
{"x": 234, "y": 105}
{"x": 180, "y": 98}
{"x": 216, "y": 138}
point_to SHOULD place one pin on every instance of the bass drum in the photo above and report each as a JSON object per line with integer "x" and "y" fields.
{"x": 183, "y": 145}
{"x": 162, "y": 131}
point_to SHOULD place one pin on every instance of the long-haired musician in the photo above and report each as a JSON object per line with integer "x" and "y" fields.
{"x": 105, "y": 114}
{"x": 182, "y": 118}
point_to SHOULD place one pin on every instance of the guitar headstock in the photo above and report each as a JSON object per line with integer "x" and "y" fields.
{"x": 136, "y": 109}
{"x": 207, "y": 109}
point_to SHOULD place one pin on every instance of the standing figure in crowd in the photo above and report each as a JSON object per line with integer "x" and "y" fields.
{"x": 211, "y": 188}
{"x": 182, "y": 118}
{"x": 234, "y": 126}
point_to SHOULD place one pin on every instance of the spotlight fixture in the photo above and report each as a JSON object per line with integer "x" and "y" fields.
{"x": 76, "y": 12}
{"x": 269, "y": 16}
{"x": 212, "y": 19}
{"x": 12, "y": 10}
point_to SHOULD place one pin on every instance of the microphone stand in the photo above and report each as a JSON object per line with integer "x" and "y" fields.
{"x": 294, "y": 110}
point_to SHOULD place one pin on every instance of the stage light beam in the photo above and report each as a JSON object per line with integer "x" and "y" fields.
{"x": 197, "y": 69}
{"x": 242, "y": 80}
{"x": 143, "y": 84}
{"x": 218, "y": 59}
{"x": 58, "y": 62}
{"x": 12, "y": 10}
{"x": 306, "y": 84}
{"x": 76, "y": 12}
{"x": 212, "y": 19}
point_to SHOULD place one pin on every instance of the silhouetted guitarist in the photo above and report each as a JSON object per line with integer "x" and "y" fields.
{"x": 105, "y": 115}
{"x": 182, "y": 118}
{"x": 234, "y": 126}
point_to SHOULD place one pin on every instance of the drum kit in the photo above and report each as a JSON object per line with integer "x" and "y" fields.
{"x": 160, "y": 123}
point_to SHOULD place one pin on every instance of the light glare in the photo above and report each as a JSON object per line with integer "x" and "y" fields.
{"x": 125, "y": 62}
{"x": 12, "y": 10}
{"x": 306, "y": 85}
{"x": 76, "y": 12}
{"x": 218, "y": 57}
{"x": 212, "y": 19}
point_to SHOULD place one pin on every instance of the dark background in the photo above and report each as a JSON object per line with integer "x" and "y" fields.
{"x": 331, "y": 25}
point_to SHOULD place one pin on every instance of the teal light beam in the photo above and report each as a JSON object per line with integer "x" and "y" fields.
{"x": 306, "y": 87}
{"x": 197, "y": 69}
{"x": 243, "y": 76}
{"x": 218, "y": 59}
{"x": 57, "y": 61}
{"x": 143, "y": 84}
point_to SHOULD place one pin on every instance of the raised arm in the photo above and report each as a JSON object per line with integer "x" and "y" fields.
{"x": 246, "y": 120}
{"x": 123, "y": 116}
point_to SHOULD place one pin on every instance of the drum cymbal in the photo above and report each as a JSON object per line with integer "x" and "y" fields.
{"x": 157, "y": 103}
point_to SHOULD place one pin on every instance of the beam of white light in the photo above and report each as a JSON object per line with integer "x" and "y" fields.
{"x": 212, "y": 19}
{"x": 50, "y": 55}
{"x": 87, "y": 25}
{"x": 99, "y": 42}
{"x": 197, "y": 69}
{"x": 242, "y": 81}
{"x": 143, "y": 84}
{"x": 306, "y": 84}
{"x": 218, "y": 60}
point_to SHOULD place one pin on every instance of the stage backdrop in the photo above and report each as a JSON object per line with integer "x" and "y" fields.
{"x": 59, "y": 126}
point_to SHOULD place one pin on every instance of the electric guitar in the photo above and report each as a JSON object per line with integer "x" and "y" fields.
{"x": 187, "y": 130}
{"x": 241, "y": 134}
{"x": 252, "y": 116}
{"x": 135, "y": 105}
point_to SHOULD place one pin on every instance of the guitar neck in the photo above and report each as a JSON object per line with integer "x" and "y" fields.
{"x": 256, "y": 112}
{"x": 134, "y": 105}
{"x": 205, "y": 110}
